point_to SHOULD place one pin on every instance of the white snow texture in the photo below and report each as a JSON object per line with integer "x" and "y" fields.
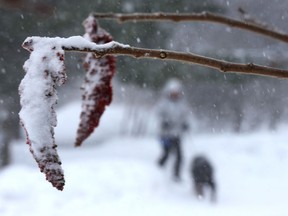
{"x": 117, "y": 175}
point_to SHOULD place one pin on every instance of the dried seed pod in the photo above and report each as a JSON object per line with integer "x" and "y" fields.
{"x": 38, "y": 96}
{"x": 97, "y": 88}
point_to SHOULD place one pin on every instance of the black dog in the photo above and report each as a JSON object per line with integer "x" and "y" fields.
{"x": 202, "y": 174}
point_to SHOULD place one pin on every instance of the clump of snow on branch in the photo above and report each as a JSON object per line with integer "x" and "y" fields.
{"x": 45, "y": 70}
{"x": 96, "y": 89}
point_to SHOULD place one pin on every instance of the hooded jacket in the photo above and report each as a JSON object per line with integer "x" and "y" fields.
{"x": 173, "y": 110}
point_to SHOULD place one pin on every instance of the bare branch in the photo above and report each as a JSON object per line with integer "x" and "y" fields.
{"x": 222, "y": 66}
{"x": 204, "y": 17}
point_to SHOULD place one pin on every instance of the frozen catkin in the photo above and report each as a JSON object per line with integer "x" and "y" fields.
{"x": 97, "y": 87}
{"x": 45, "y": 70}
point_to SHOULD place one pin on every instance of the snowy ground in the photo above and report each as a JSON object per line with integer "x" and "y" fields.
{"x": 118, "y": 176}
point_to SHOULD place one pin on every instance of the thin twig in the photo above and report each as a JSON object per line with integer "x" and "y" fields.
{"x": 222, "y": 66}
{"x": 204, "y": 16}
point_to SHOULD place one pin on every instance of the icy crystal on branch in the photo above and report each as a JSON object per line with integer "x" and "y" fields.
{"x": 44, "y": 70}
{"x": 96, "y": 89}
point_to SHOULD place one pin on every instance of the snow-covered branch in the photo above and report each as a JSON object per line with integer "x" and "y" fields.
{"x": 114, "y": 48}
{"x": 80, "y": 44}
{"x": 256, "y": 27}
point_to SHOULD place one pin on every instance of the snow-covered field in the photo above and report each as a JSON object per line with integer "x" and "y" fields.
{"x": 118, "y": 174}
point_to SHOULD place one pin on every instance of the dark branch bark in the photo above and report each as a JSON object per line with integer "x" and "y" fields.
{"x": 222, "y": 66}
{"x": 204, "y": 17}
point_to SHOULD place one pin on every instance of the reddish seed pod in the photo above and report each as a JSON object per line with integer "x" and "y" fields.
{"x": 97, "y": 86}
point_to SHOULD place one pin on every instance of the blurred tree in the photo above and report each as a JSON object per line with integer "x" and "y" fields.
{"x": 4, "y": 137}
{"x": 40, "y": 8}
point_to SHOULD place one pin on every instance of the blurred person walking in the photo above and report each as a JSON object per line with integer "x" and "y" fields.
{"x": 173, "y": 115}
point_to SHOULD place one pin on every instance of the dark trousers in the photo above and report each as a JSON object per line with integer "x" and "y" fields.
{"x": 172, "y": 145}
